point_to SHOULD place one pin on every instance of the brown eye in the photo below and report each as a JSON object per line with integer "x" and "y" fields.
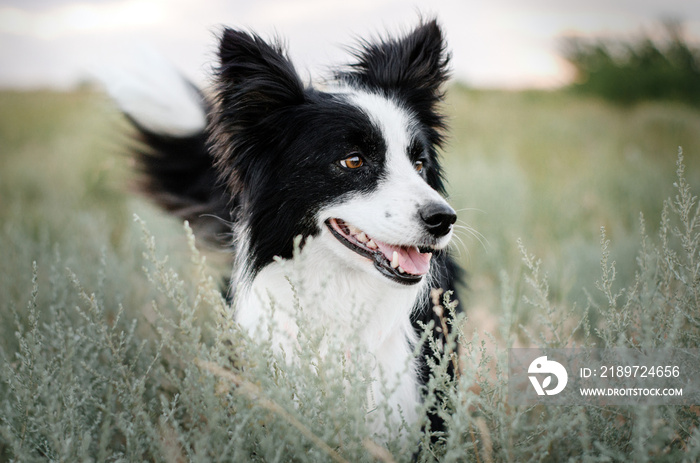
{"x": 352, "y": 162}
{"x": 418, "y": 165}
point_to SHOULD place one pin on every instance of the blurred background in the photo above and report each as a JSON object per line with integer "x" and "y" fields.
{"x": 567, "y": 116}
{"x": 496, "y": 44}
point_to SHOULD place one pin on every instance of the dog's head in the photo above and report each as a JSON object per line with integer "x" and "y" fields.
{"x": 354, "y": 164}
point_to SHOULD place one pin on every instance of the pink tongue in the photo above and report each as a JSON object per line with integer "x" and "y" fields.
{"x": 410, "y": 259}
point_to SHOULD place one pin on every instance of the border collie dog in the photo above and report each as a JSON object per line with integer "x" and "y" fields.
{"x": 351, "y": 166}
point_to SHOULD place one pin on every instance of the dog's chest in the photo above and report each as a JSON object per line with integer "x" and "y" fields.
{"x": 357, "y": 312}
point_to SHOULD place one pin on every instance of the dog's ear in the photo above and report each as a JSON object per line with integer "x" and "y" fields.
{"x": 254, "y": 77}
{"x": 255, "y": 84}
{"x": 412, "y": 68}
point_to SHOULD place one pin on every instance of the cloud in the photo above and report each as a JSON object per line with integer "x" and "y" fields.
{"x": 500, "y": 43}
{"x": 80, "y": 18}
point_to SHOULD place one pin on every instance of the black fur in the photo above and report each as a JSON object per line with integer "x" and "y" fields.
{"x": 277, "y": 144}
{"x": 179, "y": 174}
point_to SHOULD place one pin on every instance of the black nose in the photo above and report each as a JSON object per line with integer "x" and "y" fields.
{"x": 438, "y": 218}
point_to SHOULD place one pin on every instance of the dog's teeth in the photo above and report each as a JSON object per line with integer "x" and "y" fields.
{"x": 362, "y": 237}
{"x": 372, "y": 245}
{"x": 401, "y": 270}
{"x": 395, "y": 260}
{"x": 353, "y": 230}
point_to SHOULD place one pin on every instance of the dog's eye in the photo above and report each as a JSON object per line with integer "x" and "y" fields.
{"x": 418, "y": 165}
{"x": 352, "y": 162}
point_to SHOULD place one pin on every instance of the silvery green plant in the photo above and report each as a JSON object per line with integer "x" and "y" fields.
{"x": 87, "y": 378}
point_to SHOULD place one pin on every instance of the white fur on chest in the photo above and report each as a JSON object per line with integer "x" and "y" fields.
{"x": 351, "y": 307}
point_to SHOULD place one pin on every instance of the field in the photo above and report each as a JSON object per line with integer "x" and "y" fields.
{"x": 551, "y": 169}
{"x": 544, "y": 169}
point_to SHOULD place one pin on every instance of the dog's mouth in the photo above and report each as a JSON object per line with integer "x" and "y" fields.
{"x": 403, "y": 264}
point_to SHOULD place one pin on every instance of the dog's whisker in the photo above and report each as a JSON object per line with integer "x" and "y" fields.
{"x": 458, "y": 244}
{"x": 459, "y": 227}
{"x": 483, "y": 241}
{"x": 219, "y": 219}
{"x": 470, "y": 209}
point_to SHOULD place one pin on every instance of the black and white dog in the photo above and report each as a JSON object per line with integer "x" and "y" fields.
{"x": 351, "y": 166}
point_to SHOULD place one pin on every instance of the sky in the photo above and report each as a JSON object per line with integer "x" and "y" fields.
{"x": 494, "y": 43}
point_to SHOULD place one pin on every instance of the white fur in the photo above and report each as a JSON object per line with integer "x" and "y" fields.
{"x": 402, "y": 193}
{"x": 339, "y": 298}
{"x": 341, "y": 287}
{"x": 155, "y": 95}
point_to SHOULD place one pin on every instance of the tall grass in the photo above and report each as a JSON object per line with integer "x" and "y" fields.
{"x": 551, "y": 169}
{"x": 116, "y": 345}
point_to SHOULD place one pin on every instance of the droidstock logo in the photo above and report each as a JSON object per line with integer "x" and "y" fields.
{"x": 542, "y": 366}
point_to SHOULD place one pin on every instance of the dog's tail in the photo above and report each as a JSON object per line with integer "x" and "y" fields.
{"x": 171, "y": 149}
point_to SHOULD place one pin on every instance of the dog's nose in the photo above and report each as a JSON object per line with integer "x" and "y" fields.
{"x": 438, "y": 218}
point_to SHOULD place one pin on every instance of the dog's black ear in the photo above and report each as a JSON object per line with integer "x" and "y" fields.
{"x": 412, "y": 68}
{"x": 255, "y": 77}
{"x": 255, "y": 84}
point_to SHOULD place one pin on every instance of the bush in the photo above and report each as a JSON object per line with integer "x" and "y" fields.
{"x": 82, "y": 382}
{"x": 640, "y": 69}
